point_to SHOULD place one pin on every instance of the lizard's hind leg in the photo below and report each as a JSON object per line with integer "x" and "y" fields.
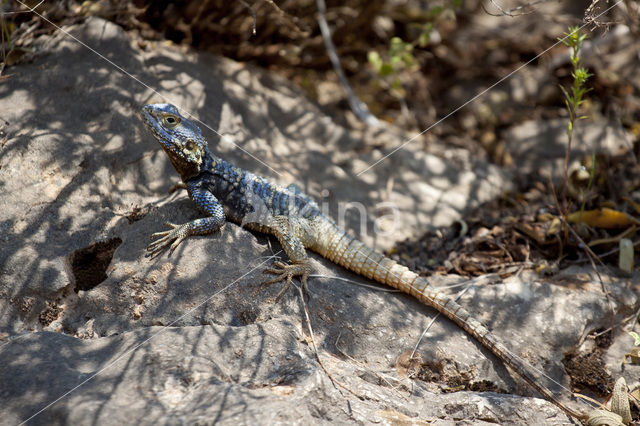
{"x": 292, "y": 235}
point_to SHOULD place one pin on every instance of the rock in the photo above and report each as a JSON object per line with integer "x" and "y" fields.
{"x": 539, "y": 146}
{"x": 78, "y": 165}
{"x": 230, "y": 375}
{"x": 94, "y": 332}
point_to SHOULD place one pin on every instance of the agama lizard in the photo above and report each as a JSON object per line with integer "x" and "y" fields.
{"x": 225, "y": 192}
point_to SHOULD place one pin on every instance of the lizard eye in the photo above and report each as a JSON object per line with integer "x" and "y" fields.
{"x": 170, "y": 121}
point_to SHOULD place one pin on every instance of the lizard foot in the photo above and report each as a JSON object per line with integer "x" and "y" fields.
{"x": 284, "y": 271}
{"x": 170, "y": 238}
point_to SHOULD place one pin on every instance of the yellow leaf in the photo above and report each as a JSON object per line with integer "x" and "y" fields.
{"x": 602, "y": 218}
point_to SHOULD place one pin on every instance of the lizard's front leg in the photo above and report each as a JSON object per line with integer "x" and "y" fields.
{"x": 207, "y": 202}
{"x": 292, "y": 235}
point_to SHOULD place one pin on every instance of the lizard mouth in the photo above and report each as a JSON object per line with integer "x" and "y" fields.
{"x": 152, "y": 122}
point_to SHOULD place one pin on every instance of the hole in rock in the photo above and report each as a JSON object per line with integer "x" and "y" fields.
{"x": 89, "y": 264}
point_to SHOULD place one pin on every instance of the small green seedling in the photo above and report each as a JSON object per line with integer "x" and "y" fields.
{"x": 574, "y": 98}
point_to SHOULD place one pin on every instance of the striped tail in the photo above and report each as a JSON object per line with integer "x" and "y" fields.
{"x": 354, "y": 255}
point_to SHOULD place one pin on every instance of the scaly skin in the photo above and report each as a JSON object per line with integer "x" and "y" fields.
{"x": 223, "y": 191}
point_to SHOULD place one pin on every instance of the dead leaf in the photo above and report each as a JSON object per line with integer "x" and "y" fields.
{"x": 634, "y": 354}
{"x": 603, "y": 218}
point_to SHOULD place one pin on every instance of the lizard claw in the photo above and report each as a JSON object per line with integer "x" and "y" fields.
{"x": 170, "y": 238}
{"x": 286, "y": 272}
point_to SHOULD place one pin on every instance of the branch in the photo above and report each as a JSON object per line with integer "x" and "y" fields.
{"x": 359, "y": 108}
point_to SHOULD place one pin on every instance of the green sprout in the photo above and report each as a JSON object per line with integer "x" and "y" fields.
{"x": 574, "y": 97}
{"x": 400, "y": 55}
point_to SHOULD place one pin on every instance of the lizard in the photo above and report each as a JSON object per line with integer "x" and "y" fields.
{"x": 224, "y": 192}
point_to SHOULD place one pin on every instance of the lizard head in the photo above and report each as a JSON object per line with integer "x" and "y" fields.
{"x": 180, "y": 138}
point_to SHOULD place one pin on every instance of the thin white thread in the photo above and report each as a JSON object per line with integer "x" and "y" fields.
{"x": 433, "y": 320}
{"x": 24, "y": 11}
{"x": 122, "y": 70}
{"x": 146, "y": 340}
{"x": 480, "y": 94}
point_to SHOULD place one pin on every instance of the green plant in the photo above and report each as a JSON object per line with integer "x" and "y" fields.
{"x": 573, "y": 99}
{"x": 400, "y": 57}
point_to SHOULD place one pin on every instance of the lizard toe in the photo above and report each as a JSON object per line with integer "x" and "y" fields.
{"x": 286, "y": 272}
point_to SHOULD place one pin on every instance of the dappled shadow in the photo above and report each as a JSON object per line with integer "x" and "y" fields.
{"x": 152, "y": 374}
{"x": 77, "y": 130}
